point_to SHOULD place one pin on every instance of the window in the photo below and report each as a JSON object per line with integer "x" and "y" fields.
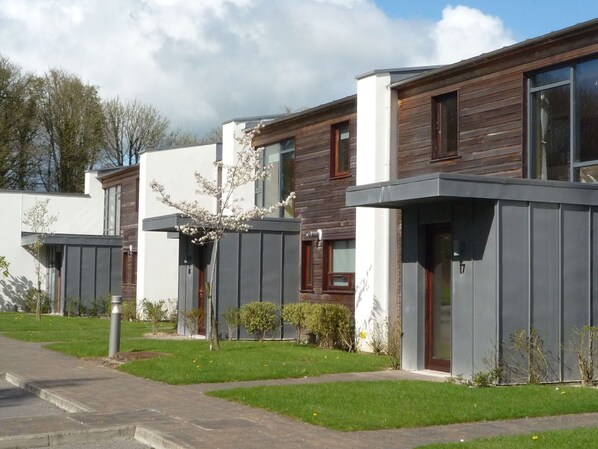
{"x": 340, "y": 159}
{"x": 112, "y": 211}
{"x": 307, "y": 265}
{"x": 129, "y": 276}
{"x": 281, "y": 182}
{"x": 340, "y": 264}
{"x": 445, "y": 130}
{"x": 563, "y": 121}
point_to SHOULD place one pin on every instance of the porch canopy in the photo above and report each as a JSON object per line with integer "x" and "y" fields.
{"x": 450, "y": 186}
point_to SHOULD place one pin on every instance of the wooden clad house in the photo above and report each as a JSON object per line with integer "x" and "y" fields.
{"x": 121, "y": 209}
{"x": 496, "y": 160}
{"x": 313, "y": 154}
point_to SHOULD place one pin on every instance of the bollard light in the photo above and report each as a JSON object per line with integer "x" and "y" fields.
{"x": 114, "y": 345}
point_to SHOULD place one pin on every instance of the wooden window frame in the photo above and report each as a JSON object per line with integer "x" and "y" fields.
{"x": 307, "y": 265}
{"x": 439, "y": 141}
{"x": 329, "y": 275}
{"x": 335, "y": 134}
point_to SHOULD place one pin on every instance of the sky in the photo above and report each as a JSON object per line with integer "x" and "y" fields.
{"x": 204, "y": 62}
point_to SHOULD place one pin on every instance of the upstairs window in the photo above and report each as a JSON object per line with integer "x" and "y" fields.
{"x": 339, "y": 264}
{"x": 340, "y": 159}
{"x": 563, "y": 137}
{"x": 112, "y": 211}
{"x": 281, "y": 182}
{"x": 445, "y": 127}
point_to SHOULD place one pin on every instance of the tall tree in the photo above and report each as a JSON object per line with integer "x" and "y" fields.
{"x": 72, "y": 130}
{"x": 130, "y": 128}
{"x": 18, "y": 126}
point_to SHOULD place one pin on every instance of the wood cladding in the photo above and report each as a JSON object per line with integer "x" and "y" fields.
{"x": 492, "y": 103}
{"x": 320, "y": 199}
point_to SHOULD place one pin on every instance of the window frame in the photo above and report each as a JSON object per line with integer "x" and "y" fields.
{"x": 439, "y": 145}
{"x": 576, "y": 165}
{"x": 108, "y": 230}
{"x": 285, "y": 152}
{"x": 307, "y": 265}
{"x": 329, "y": 274}
{"x": 336, "y": 132}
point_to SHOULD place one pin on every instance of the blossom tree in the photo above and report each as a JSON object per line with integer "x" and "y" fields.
{"x": 209, "y": 226}
{"x": 40, "y": 221}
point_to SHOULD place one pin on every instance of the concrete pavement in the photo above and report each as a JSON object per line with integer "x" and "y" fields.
{"x": 108, "y": 402}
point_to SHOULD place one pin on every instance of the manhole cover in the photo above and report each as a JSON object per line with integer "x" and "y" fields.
{"x": 222, "y": 424}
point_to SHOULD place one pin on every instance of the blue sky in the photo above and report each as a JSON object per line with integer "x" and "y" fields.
{"x": 204, "y": 62}
{"x": 525, "y": 18}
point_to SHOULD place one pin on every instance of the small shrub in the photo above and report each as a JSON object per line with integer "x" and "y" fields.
{"x": 534, "y": 368}
{"x": 71, "y": 306}
{"x": 393, "y": 347}
{"x": 155, "y": 313}
{"x": 258, "y": 318}
{"x": 296, "y": 315}
{"x": 129, "y": 310}
{"x": 31, "y": 301}
{"x": 331, "y": 325}
{"x": 191, "y": 320}
{"x": 233, "y": 320}
{"x": 584, "y": 344}
{"x": 484, "y": 379}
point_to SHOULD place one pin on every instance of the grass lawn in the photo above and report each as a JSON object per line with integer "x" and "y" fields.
{"x": 187, "y": 361}
{"x": 397, "y": 404}
{"x": 570, "y": 439}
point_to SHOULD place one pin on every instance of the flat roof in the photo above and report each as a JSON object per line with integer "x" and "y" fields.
{"x": 450, "y": 186}
{"x": 29, "y": 238}
{"x": 172, "y": 223}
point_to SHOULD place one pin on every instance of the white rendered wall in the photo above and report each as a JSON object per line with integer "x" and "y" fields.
{"x": 376, "y": 233}
{"x": 231, "y": 131}
{"x": 75, "y": 214}
{"x": 157, "y": 257}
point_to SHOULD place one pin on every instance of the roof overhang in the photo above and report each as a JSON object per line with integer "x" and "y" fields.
{"x": 29, "y": 238}
{"x": 173, "y": 222}
{"x": 448, "y": 186}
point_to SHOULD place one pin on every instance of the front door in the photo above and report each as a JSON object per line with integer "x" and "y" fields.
{"x": 201, "y": 298}
{"x": 438, "y": 297}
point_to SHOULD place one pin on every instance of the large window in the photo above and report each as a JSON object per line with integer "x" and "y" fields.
{"x": 445, "y": 126}
{"x": 340, "y": 161}
{"x": 281, "y": 182}
{"x": 112, "y": 211}
{"x": 563, "y": 138}
{"x": 339, "y": 264}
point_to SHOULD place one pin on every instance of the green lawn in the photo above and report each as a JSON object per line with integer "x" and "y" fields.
{"x": 398, "y": 404}
{"x": 559, "y": 439}
{"x": 187, "y": 361}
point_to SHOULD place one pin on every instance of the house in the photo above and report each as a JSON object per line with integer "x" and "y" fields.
{"x": 485, "y": 198}
{"x": 261, "y": 264}
{"x": 80, "y": 265}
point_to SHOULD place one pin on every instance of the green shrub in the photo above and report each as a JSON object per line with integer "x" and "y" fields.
{"x": 296, "y": 315}
{"x": 191, "y": 320}
{"x": 155, "y": 313}
{"x": 71, "y": 306}
{"x": 331, "y": 325}
{"x": 258, "y": 318}
{"x": 233, "y": 319}
{"x": 29, "y": 304}
{"x": 129, "y": 310}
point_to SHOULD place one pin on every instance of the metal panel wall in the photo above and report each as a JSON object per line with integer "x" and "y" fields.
{"x": 545, "y": 274}
{"x": 576, "y": 280}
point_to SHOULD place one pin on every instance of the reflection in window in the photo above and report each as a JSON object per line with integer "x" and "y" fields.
{"x": 564, "y": 123}
{"x": 444, "y": 126}
{"x": 112, "y": 211}
{"x": 281, "y": 181}
{"x": 340, "y": 156}
{"x": 340, "y": 264}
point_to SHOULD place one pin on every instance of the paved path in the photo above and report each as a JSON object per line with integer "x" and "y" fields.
{"x": 104, "y": 400}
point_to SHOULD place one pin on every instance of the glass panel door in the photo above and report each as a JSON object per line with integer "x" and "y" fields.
{"x": 438, "y": 297}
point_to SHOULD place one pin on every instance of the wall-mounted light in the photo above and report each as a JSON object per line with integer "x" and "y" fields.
{"x": 130, "y": 249}
{"x": 314, "y": 235}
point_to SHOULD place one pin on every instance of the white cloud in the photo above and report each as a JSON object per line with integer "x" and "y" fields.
{"x": 464, "y": 32}
{"x": 204, "y": 62}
